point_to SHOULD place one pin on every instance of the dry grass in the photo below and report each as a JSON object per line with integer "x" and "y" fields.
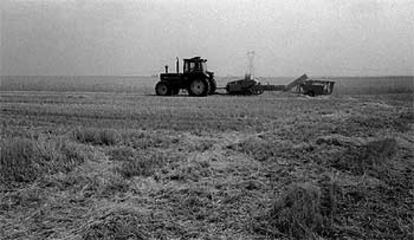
{"x": 144, "y": 140}
{"x": 120, "y": 224}
{"x": 374, "y": 155}
{"x": 24, "y": 160}
{"x": 141, "y": 165}
{"x": 304, "y": 211}
{"x": 17, "y": 160}
{"x": 298, "y": 213}
{"x": 123, "y": 166}
{"x": 97, "y": 136}
{"x": 122, "y": 153}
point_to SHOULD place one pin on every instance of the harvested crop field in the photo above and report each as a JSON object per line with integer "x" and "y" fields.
{"x": 106, "y": 165}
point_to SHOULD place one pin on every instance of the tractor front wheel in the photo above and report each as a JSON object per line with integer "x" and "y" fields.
{"x": 199, "y": 87}
{"x": 162, "y": 89}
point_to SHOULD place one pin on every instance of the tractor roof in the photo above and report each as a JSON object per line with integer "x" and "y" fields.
{"x": 196, "y": 59}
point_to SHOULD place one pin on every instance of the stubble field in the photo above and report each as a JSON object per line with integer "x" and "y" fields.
{"x": 130, "y": 165}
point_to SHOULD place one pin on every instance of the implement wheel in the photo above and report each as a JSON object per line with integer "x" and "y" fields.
{"x": 256, "y": 90}
{"x": 310, "y": 94}
{"x": 199, "y": 87}
{"x": 162, "y": 89}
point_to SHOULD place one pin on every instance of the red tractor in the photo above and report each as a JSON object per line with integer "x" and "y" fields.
{"x": 195, "y": 79}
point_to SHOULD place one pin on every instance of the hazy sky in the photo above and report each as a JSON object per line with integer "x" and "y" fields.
{"x": 289, "y": 37}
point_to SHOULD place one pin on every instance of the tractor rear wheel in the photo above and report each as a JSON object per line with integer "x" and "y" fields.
{"x": 162, "y": 89}
{"x": 199, "y": 87}
{"x": 213, "y": 86}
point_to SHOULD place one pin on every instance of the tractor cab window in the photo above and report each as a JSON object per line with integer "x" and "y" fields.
{"x": 199, "y": 67}
{"x": 195, "y": 66}
{"x": 186, "y": 67}
{"x": 190, "y": 67}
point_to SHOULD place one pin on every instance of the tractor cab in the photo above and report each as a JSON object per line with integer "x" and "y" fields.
{"x": 195, "y": 64}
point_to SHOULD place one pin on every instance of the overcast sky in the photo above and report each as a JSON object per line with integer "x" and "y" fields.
{"x": 289, "y": 37}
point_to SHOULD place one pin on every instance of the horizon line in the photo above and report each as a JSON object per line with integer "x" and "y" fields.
{"x": 238, "y": 76}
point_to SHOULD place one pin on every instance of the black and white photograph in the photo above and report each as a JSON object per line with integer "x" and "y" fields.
{"x": 206, "y": 119}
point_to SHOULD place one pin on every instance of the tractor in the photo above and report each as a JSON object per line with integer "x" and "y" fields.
{"x": 195, "y": 79}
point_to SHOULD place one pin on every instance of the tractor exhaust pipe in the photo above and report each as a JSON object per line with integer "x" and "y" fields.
{"x": 177, "y": 65}
{"x": 166, "y": 68}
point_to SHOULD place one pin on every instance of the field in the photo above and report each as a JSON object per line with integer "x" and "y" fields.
{"x": 109, "y": 160}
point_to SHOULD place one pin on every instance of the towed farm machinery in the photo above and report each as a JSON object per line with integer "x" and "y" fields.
{"x": 197, "y": 81}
